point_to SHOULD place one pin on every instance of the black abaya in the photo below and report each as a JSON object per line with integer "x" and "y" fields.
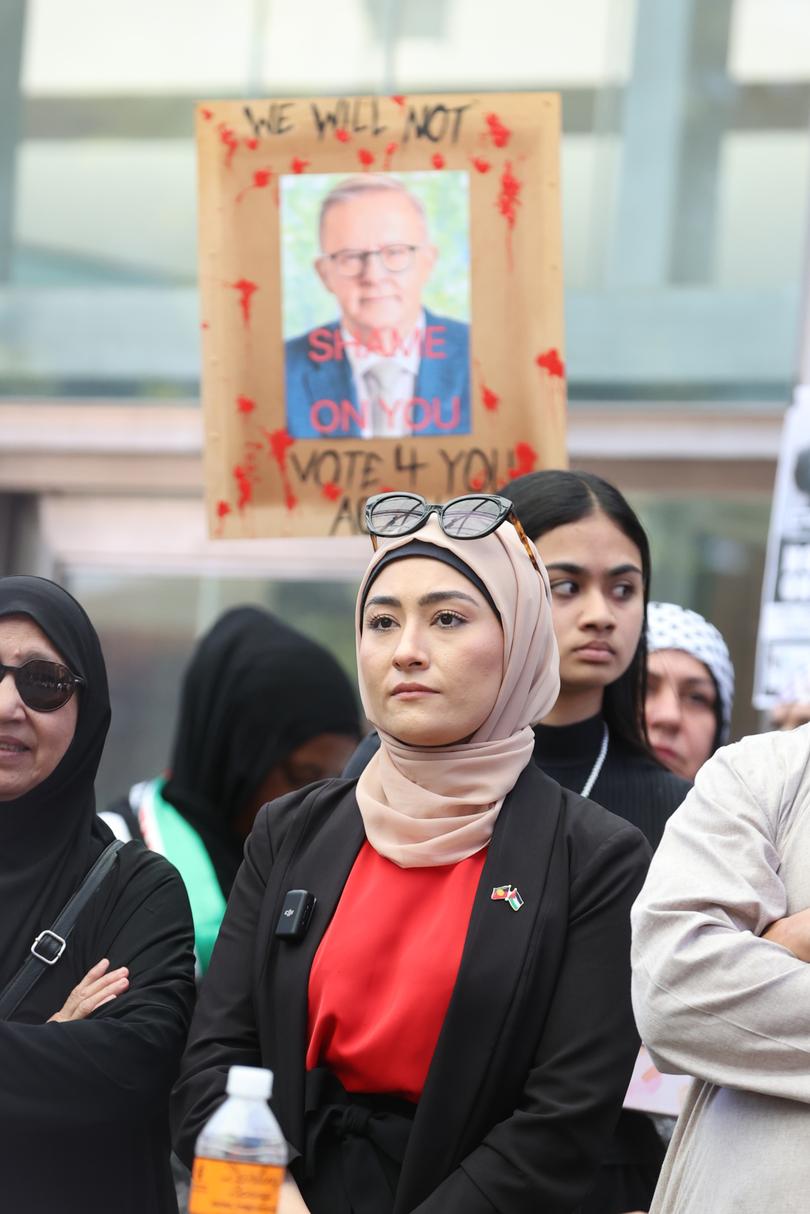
{"x": 83, "y": 1104}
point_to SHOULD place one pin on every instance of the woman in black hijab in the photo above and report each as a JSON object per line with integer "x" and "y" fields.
{"x": 263, "y": 711}
{"x": 85, "y": 1084}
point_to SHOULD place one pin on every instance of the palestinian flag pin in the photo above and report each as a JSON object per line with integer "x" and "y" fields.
{"x": 507, "y": 893}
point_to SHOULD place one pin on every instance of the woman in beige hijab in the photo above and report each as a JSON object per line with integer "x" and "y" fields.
{"x": 450, "y": 1028}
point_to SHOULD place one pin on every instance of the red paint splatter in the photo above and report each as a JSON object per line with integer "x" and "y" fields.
{"x": 398, "y": 99}
{"x": 499, "y": 133}
{"x": 437, "y": 160}
{"x": 477, "y": 483}
{"x": 228, "y": 137}
{"x": 550, "y": 361}
{"x": 490, "y": 399}
{"x": 261, "y": 180}
{"x": 252, "y": 144}
{"x": 207, "y": 114}
{"x": 222, "y": 509}
{"x": 205, "y": 325}
{"x": 332, "y": 491}
{"x": 342, "y": 135}
{"x": 297, "y": 165}
{"x": 525, "y": 459}
{"x": 246, "y": 289}
{"x": 480, "y": 164}
{"x": 244, "y": 486}
{"x": 386, "y": 489}
{"x": 508, "y": 202}
{"x": 365, "y": 157}
{"x": 509, "y": 197}
{"x": 244, "y": 404}
{"x": 280, "y": 442}
{"x": 390, "y": 148}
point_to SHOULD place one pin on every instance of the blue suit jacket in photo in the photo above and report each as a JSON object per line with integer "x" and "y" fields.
{"x": 307, "y": 381}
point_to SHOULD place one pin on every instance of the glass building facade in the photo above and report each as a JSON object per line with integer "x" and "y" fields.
{"x": 685, "y": 186}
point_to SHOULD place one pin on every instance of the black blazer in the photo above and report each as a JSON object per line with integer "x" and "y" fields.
{"x": 538, "y": 1043}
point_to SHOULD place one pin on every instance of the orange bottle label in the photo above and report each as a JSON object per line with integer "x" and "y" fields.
{"x": 221, "y": 1187}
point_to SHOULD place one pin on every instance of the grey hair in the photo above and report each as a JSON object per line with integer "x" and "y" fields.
{"x": 367, "y": 183}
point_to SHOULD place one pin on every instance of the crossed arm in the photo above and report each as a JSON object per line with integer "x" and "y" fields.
{"x": 720, "y": 980}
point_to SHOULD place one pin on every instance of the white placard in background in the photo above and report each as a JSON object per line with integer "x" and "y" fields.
{"x": 652, "y": 1092}
{"x": 783, "y": 643}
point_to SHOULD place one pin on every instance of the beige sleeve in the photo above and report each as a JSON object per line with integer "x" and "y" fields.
{"x": 711, "y": 998}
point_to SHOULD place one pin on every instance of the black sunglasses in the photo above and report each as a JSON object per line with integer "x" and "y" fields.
{"x": 43, "y": 686}
{"x": 464, "y": 518}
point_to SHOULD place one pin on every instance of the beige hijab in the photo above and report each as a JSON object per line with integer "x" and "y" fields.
{"x": 426, "y": 807}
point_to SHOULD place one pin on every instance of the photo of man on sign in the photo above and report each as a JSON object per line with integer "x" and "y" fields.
{"x": 387, "y": 365}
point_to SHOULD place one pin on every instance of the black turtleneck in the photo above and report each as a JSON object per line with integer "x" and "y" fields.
{"x": 630, "y": 785}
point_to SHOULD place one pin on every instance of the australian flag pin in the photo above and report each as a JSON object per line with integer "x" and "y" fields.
{"x": 507, "y": 893}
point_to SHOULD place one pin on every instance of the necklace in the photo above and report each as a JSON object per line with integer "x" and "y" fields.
{"x": 597, "y": 767}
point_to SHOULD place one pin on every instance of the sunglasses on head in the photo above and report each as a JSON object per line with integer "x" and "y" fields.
{"x": 43, "y": 686}
{"x": 464, "y": 518}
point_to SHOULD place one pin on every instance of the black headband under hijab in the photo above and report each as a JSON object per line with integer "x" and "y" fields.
{"x": 434, "y": 553}
{"x": 50, "y": 836}
{"x": 255, "y": 690}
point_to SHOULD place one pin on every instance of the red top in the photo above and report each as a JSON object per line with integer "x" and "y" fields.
{"x": 384, "y": 971}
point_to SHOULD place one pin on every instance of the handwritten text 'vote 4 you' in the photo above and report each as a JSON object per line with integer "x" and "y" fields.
{"x": 359, "y": 473}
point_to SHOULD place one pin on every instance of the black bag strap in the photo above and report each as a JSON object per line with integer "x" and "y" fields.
{"x": 50, "y": 944}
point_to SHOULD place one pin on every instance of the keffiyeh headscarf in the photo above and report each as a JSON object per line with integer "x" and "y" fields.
{"x": 672, "y": 627}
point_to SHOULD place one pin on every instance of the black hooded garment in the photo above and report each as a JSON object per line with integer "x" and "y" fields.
{"x": 255, "y": 691}
{"x": 83, "y": 1104}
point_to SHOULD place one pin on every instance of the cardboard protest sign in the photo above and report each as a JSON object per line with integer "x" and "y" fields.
{"x": 782, "y": 670}
{"x": 381, "y": 284}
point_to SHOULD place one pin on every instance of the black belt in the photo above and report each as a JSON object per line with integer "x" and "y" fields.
{"x": 354, "y": 1147}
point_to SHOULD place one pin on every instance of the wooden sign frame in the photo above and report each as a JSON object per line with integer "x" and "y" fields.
{"x": 265, "y": 476}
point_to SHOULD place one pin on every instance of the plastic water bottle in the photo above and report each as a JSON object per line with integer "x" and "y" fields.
{"x": 241, "y": 1153}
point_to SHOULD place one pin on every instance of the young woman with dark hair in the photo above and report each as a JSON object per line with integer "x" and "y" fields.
{"x": 598, "y": 559}
{"x": 594, "y": 741}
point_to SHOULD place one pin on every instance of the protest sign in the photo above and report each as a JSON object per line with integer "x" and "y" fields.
{"x": 381, "y": 286}
{"x": 782, "y": 670}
